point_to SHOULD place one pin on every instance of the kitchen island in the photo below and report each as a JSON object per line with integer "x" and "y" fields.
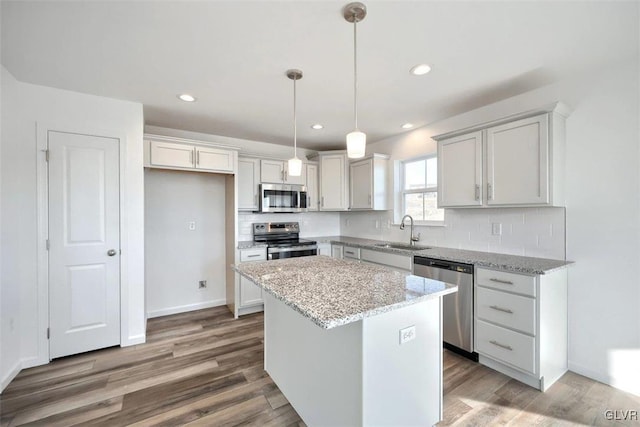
{"x": 352, "y": 344}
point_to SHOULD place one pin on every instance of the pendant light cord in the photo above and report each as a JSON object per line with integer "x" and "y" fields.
{"x": 295, "y": 119}
{"x": 355, "y": 70}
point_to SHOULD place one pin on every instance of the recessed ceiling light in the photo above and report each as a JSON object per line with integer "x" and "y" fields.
{"x": 317, "y": 126}
{"x": 187, "y": 98}
{"x": 407, "y": 126}
{"x": 420, "y": 69}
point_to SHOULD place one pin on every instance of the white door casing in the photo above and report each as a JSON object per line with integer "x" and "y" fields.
{"x": 84, "y": 225}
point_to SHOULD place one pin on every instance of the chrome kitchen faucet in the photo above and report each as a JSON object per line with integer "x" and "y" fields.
{"x": 412, "y": 239}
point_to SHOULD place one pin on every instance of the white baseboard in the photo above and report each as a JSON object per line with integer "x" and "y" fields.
{"x": 184, "y": 308}
{"x": 134, "y": 340}
{"x": 15, "y": 370}
{"x": 621, "y": 384}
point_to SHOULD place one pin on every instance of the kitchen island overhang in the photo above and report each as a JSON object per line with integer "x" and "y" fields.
{"x": 350, "y": 343}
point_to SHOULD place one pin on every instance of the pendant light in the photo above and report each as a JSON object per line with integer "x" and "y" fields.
{"x": 356, "y": 140}
{"x": 295, "y": 164}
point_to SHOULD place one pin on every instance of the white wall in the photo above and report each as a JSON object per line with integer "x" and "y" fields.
{"x": 602, "y": 213}
{"x": 176, "y": 258}
{"x": 10, "y": 204}
{"x": 312, "y": 224}
{"x": 64, "y": 110}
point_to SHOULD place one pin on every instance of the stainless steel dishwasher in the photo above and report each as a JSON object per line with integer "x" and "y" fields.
{"x": 457, "y": 308}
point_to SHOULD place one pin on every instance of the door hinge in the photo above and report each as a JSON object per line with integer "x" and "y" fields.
{"x": 48, "y": 244}
{"x": 48, "y": 333}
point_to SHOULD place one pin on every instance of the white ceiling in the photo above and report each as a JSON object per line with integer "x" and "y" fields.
{"x": 232, "y": 55}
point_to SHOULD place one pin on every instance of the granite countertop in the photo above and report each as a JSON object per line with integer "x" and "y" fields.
{"x": 333, "y": 292}
{"x": 513, "y": 263}
{"x": 248, "y": 244}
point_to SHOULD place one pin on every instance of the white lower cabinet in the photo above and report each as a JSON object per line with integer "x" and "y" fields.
{"x": 337, "y": 251}
{"x": 324, "y": 249}
{"x": 397, "y": 261}
{"x": 521, "y": 324}
{"x": 249, "y": 295}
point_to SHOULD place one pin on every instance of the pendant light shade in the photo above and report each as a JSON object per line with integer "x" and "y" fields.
{"x": 356, "y": 140}
{"x": 295, "y": 167}
{"x": 295, "y": 164}
{"x": 356, "y": 144}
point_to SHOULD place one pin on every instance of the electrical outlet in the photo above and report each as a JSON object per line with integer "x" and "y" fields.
{"x": 202, "y": 284}
{"x": 192, "y": 225}
{"x": 407, "y": 334}
{"x": 496, "y": 229}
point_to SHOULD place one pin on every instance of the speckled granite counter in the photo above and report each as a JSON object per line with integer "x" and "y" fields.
{"x": 249, "y": 244}
{"x": 514, "y": 263}
{"x": 332, "y": 292}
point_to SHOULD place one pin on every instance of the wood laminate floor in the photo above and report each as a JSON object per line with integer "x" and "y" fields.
{"x": 205, "y": 368}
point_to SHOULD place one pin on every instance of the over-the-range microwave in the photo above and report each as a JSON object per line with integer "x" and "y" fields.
{"x": 283, "y": 198}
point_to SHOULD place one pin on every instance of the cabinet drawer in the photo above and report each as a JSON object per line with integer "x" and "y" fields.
{"x": 507, "y": 346}
{"x": 402, "y": 262}
{"x": 351, "y": 252}
{"x": 512, "y": 311}
{"x": 257, "y": 254}
{"x": 511, "y": 282}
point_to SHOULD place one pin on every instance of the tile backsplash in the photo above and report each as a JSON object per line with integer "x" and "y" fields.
{"x": 311, "y": 223}
{"x": 536, "y": 232}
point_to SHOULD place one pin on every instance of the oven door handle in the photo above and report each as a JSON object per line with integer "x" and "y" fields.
{"x": 291, "y": 249}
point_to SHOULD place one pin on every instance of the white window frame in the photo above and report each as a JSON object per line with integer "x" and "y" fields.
{"x": 402, "y": 192}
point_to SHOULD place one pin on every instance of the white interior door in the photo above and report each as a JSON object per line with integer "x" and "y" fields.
{"x": 84, "y": 237}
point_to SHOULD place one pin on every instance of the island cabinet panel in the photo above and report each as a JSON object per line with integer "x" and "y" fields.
{"x": 358, "y": 374}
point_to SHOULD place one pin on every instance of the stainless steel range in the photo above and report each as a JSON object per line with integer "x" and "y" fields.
{"x": 282, "y": 240}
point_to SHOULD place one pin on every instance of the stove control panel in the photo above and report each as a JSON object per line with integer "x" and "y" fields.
{"x": 275, "y": 227}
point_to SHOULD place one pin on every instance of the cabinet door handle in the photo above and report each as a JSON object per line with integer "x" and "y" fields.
{"x": 308, "y": 202}
{"x": 504, "y": 282}
{"x": 191, "y": 157}
{"x": 369, "y": 199}
{"x": 286, "y": 175}
{"x": 504, "y": 310}
{"x": 489, "y": 191}
{"x": 506, "y": 347}
{"x": 477, "y": 192}
{"x": 322, "y": 202}
{"x": 197, "y": 158}
{"x": 255, "y": 199}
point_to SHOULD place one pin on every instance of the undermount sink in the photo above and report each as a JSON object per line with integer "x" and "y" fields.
{"x": 402, "y": 246}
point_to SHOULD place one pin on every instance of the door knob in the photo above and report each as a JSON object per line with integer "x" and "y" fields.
{"x": 111, "y": 252}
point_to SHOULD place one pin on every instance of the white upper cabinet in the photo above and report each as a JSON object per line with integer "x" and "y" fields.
{"x": 248, "y": 182}
{"x": 517, "y": 161}
{"x": 276, "y": 172}
{"x": 165, "y": 153}
{"x": 312, "y": 187}
{"x": 460, "y": 171}
{"x": 368, "y": 183}
{"x": 214, "y": 159}
{"x": 334, "y": 181}
{"x": 171, "y": 154}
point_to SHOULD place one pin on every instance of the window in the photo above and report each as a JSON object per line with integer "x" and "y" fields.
{"x": 419, "y": 189}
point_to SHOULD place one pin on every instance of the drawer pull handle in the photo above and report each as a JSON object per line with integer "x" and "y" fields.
{"x": 349, "y": 252}
{"x": 506, "y": 347}
{"x": 505, "y": 282}
{"x": 504, "y": 310}
{"x": 254, "y": 255}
